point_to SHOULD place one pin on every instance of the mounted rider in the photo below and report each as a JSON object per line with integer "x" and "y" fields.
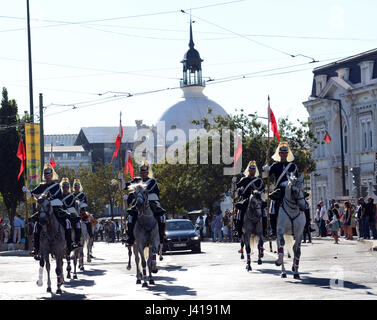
{"x": 80, "y": 196}
{"x": 282, "y": 167}
{"x": 50, "y": 185}
{"x": 245, "y": 187}
{"x": 69, "y": 205}
{"x": 154, "y": 203}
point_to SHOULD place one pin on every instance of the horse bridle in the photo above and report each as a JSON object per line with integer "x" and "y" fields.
{"x": 144, "y": 196}
{"x": 295, "y": 200}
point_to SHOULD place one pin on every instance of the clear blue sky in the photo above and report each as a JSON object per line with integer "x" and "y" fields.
{"x": 81, "y": 49}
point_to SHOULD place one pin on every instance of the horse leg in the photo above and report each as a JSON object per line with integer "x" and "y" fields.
{"x": 75, "y": 258}
{"x": 144, "y": 266}
{"x": 160, "y": 252}
{"x": 59, "y": 273}
{"x": 260, "y": 249}
{"x": 296, "y": 258}
{"x": 81, "y": 259}
{"x": 129, "y": 257}
{"x": 68, "y": 257}
{"x": 48, "y": 267}
{"x": 280, "y": 244}
{"x": 248, "y": 251}
{"x": 152, "y": 265}
{"x": 137, "y": 262}
{"x": 40, "y": 276}
{"x": 242, "y": 244}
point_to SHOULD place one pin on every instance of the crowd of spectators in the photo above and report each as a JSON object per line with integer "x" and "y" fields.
{"x": 347, "y": 219}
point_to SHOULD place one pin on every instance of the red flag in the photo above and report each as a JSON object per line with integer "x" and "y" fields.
{"x": 327, "y": 138}
{"x": 129, "y": 166}
{"x": 52, "y": 162}
{"x": 22, "y": 156}
{"x": 238, "y": 152}
{"x": 118, "y": 141}
{"x": 274, "y": 125}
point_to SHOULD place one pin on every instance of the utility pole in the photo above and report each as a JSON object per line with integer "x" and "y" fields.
{"x": 41, "y": 138}
{"x": 30, "y": 67}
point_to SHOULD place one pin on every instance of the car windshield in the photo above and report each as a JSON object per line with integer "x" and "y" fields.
{"x": 179, "y": 225}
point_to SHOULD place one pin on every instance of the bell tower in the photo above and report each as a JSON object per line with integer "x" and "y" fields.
{"x": 192, "y": 66}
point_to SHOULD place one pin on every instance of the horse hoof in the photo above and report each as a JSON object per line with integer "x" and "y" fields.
{"x": 68, "y": 276}
{"x": 151, "y": 282}
{"x": 248, "y": 268}
{"x": 59, "y": 291}
{"x": 161, "y": 258}
{"x": 296, "y": 276}
{"x": 48, "y": 289}
{"x": 145, "y": 285}
{"x": 128, "y": 267}
{"x": 293, "y": 269}
{"x": 138, "y": 281}
{"x": 82, "y": 269}
{"x": 155, "y": 270}
{"x": 75, "y": 277}
{"x": 242, "y": 256}
{"x": 39, "y": 283}
{"x": 283, "y": 275}
{"x": 259, "y": 261}
{"x": 277, "y": 263}
{"x": 289, "y": 256}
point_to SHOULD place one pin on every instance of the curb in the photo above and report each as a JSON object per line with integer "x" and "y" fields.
{"x": 19, "y": 253}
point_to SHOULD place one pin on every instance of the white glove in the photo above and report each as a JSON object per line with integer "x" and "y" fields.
{"x": 266, "y": 167}
{"x": 27, "y": 191}
{"x": 125, "y": 197}
{"x": 24, "y": 189}
{"x": 234, "y": 179}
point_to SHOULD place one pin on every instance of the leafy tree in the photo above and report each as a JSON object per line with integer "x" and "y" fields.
{"x": 10, "y": 188}
{"x": 204, "y": 185}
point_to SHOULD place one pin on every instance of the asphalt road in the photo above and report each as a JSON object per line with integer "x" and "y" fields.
{"x": 328, "y": 271}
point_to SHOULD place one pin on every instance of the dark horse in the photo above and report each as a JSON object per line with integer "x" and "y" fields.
{"x": 252, "y": 227}
{"x": 52, "y": 241}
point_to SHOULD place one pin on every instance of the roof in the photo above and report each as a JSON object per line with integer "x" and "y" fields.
{"x": 108, "y": 134}
{"x": 47, "y": 149}
{"x": 60, "y": 139}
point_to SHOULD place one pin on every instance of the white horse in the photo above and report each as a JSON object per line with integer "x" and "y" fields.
{"x": 146, "y": 236}
{"x": 291, "y": 221}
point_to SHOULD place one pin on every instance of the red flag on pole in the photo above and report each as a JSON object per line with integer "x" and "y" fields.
{"x": 118, "y": 141}
{"x": 22, "y": 156}
{"x": 327, "y": 138}
{"x": 274, "y": 125}
{"x": 129, "y": 167}
{"x": 238, "y": 151}
{"x": 52, "y": 162}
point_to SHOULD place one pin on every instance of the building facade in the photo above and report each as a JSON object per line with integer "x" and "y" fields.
{"x": 343, "y": 104}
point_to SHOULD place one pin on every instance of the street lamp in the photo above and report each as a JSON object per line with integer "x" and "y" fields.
{"x": 341, "y": 142}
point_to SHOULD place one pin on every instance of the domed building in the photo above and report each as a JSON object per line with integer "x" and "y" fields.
{"x": 193, "y": 105}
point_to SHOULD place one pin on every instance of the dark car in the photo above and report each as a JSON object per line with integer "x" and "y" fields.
{"x": 180, "y": 234}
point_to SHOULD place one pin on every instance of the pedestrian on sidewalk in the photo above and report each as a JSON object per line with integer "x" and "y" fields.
{"x": 347, "y": 220}
{"x": 323, "y": 219}
{"x": 307, "y": 228}
{"x": 318, "y": 219}
{"x": 334, "y": 223}
{"x": 359, "y": 213}
{"x": 370, "y": 211}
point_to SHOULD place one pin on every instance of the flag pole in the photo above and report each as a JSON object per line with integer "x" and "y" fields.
{"x": 268, "y": 178}
{"x": 27, "y": 246}
{"x": 121, "y": 172}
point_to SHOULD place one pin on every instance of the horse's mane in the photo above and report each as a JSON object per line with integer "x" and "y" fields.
{"x": 134, "y": 186}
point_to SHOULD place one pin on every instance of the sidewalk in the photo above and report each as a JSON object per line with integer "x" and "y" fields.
{"x": 373, "y": 243}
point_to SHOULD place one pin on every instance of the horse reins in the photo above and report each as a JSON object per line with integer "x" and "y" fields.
{"x": 285, "y": 200}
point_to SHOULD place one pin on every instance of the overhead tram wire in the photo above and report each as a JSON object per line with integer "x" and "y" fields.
{"x": 252, "y": 40}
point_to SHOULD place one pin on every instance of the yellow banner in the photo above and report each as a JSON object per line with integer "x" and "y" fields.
{"x": 33, "y": 154}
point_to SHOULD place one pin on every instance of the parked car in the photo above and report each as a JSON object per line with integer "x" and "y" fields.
{"x": 180, "y": 234}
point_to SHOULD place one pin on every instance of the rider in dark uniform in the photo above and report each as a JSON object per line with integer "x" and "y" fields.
{"x": 69, "y": 205}
{"x": 282, "y": 167}
{"x": 245, "y": 187}
{"x": 154, "y": 202}
{"x": 49, "y": 185}
{"x": 80, "y": 195}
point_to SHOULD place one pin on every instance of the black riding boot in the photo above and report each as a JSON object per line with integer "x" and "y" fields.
{"x": 130, "y": 234}
{"x": 161, "y": 231}
{"x": 89, "y": 228}
{"x": 68, "y": 238}
{"x": 77, "y": 236}
{"x": 36, "y": 238}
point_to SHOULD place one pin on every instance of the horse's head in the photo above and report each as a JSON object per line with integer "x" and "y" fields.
{"x": 141, "y": 195}
{"x": 255, "y": 203}
{"x": 296, "y": 190}
{"x": 44, "y": 207}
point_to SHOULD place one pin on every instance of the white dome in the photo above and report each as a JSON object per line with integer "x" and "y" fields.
{"x": 193, "y": 106}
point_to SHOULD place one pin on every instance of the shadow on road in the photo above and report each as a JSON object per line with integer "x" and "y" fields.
{"x": 79, "y": 283}
{"x": 65, "y": 296}
{"x": 171, "y": 290}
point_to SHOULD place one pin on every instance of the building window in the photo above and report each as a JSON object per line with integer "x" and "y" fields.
{"x": 65, "y": 155}
{"x": 78, "y": 155}
{"x": 366, "y": 128}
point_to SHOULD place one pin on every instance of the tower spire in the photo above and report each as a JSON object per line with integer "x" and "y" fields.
{"x": 191, "y": 43}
